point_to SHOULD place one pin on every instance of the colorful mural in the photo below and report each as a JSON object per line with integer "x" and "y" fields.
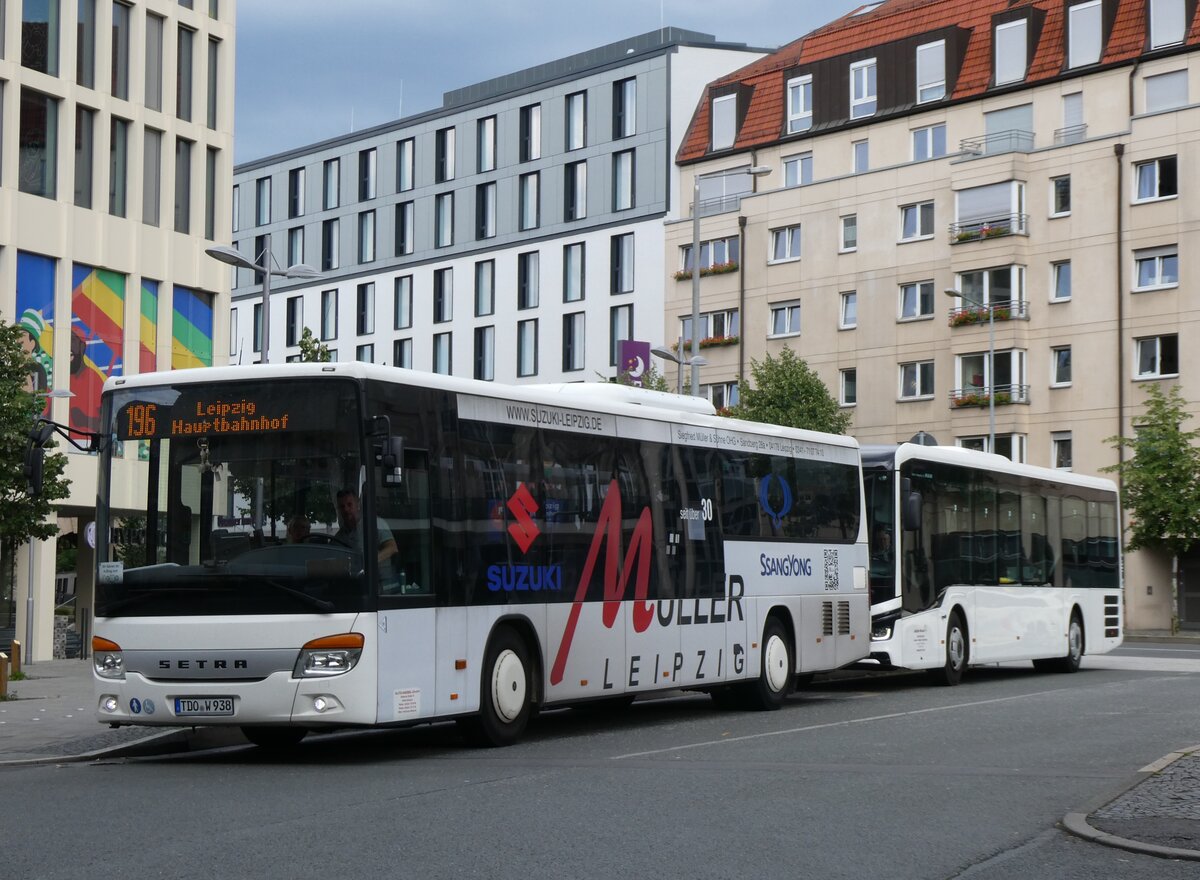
{"x": 35, "y": 315}
{"x": 148, "y": 328}
{"x": 191, "y": 329}
{"x": 97, "y": 339}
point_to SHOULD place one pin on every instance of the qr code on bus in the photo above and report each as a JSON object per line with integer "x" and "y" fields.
{"x": 831, "y": 569}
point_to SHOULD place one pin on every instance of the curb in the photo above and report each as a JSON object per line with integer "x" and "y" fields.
{"x": 166, "y": 742}
{"x": 1077, "y": 822}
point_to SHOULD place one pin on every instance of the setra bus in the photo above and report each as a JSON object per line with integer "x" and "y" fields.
{"x": 305, "y": 546}
{"x": 977, "y": 559}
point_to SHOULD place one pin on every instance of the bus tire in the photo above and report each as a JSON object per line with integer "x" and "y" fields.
{"x": 1070, "y": 661}
{"x": 504, "y": 693}
{"x": 776, "y": 670}
{"x": 274, "y": 737}
{"x": 728, "y": 697}
{"x": 958, "y": 653}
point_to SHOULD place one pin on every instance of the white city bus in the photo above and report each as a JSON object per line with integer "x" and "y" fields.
{"x": 528, "y": 547}
{"x": 976, "y": 559}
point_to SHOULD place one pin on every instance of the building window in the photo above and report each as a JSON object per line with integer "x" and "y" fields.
{"x": 404, "y": 228}
{"x": 365, "y": 353}
{"x": 155, "y": 27}
{"x": 931, "y": 72}
{"x": 485, "y": 144}
{"x": 575, "y": 191}
{"x": 85, "y": 138}
{"x": 210, "y": 115}
{"x": 573, "y": 266}
{"x": 402, "y": 353}
{"x": 785, "y": 319}
{"x": 531, "y": 132}
{"x": 404, "y": 165}
{"x": 1060, "y": 281}
{"x": 862, "y": 156}
{"x": 1060, "y": 196}
{"x": 262, "y": 201}
{"x": 1155, "y": 268}
{"x": 862, "y": 88}
{"x": 236, "y": 208}
{"x": 621, "y": 263}
{"x": 798, "y": 170}
{"x": 1002, "y": 286}
{"x": 183, "y": 185}
{"x": 1168, "y": 24}
{"x": 295, "y": 319}
{"x": 849, "y": 387}
{"x": 38, "y": 141}
{"x": 329, "y": 314}
{"x": 295, "y": 245}
{"x": 849, "y": 312}
{"x": 916, "y": 380}
{"x": 332, "y": 185}
{"x": 85, "y": 44}
{"x": 721, "y": 395}
{"x": 441, "y": 353}
{"x": 573, "y": 341}
{"x": 720, "y": 252}
{"x": 365, "y": 309}
{"x": 528, "y": 280}
{"x": 485, "y": 288}
{"x": 402, "y": 303}
{"x": 1060, "y": 450}
{"x": 121, "y": 15}
{"x": 1083, "y": 33}
{"x": 330, "y": 245}
{"x": 849, "y": 233}
{"x": 624, "y": 108}
{"x": 916, "y": 221}
{"x": 623, "y": 198}
{"x": 485, "y": 353}
{"x": 1166, "y": 91}
{"x": 1010, "y": 48}
{"x": 443, "y": 220}
{"x": 1060, "y": 366}
{"x": 620, "y": 326}
{"x": 367, "y": 160}
{"x": 152, "y": 176}
{"x": 576, "y": 121}
{"x": 785, "y": 244}
{"x": 443, "y": 168}
{"x": 713, "y": 325}
{"x": 799, "y": 104}
{"x": 366, "y": 237}
{"x": 929, "y": 142}
{"x": 975, "y": 374}
{"x": 1156, "y": 179}
{"x": 118, "y": 164}
{"x": 527, "y": 344}
{"x": 260, "y": 254}
{"x": 295, "y": 193}
{"x": 999, "y": 206}
{"x": 183, "y": 77}
{"x": 443, "y": 295}
{"x": 724, "y": 121}
{"x": 530, "y": 207}
{"x": 916, "y": 300}
{"x": 256, "y": 331}
{"x": 485, "y": 211}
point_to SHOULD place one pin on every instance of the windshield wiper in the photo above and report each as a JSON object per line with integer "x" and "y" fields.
{"x": 299, "y": 595}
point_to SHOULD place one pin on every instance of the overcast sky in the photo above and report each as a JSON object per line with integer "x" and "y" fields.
{"x": 313, "y": 69}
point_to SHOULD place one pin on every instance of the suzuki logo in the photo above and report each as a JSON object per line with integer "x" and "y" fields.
{"x": 524, "y": 531}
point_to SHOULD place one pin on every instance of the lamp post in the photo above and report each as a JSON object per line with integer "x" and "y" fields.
{"x": 991, "y": 364}
{"x": 694, "y": 360}
{"x": 233, "y": 257}
{"x": 667, "y": 355}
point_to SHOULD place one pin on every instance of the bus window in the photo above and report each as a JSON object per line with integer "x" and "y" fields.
{"x": 1038, "y": 564}
{"x": 1008, "y": 536}
{"x": 983, "y": 539}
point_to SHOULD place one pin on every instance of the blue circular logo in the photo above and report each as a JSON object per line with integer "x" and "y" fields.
{"x": 135, "y": 706}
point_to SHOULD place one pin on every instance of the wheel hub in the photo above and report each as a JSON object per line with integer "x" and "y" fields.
{"x": 508, "y": 686}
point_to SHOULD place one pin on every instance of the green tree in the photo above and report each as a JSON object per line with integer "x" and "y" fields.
{"x": 23, "y": 516}
{"x": 1160, "y": 482}
{"x": 786, "y": 391}
{"x": 312, "y": 350}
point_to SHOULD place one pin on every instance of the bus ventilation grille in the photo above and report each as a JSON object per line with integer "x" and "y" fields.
{"x": 827, "y": 619}
{"x": 843, "y": 618}
{"x": 1112, "y": 616}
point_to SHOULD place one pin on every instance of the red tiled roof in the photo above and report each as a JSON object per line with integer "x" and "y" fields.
{"x": 895, "y": 20}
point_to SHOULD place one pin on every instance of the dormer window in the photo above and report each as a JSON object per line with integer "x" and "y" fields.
{"x": 1010, "y": 51}
{"x": 862, "y": 88}
{"x": 799, "y": 97}
{"x": 724, "y": 121}
{"x": 1083, "y": 34}
{"x": 931, "y": 72}
{"x": 1167, "y": 23}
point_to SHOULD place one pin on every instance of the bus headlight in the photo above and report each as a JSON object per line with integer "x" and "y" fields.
{"x": 883, "y": 627}
{"x": 330, "y": 655}
{"x": 107, "y": 658}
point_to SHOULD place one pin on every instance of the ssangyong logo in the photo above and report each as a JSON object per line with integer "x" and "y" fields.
{"x": 785, "y": 502}
{"x": 524, "y": 531}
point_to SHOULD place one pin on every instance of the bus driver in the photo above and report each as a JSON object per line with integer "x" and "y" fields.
{"x": 349, "y": 511}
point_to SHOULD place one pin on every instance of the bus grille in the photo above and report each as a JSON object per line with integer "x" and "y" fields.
{"x": 843, "y": 618}
{"x": 827, "y": 619}
{"x": 1112, "y": 616}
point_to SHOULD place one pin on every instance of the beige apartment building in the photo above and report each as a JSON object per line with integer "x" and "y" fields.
{"x": 116, "y": 166}
{"x": 930, "y": 172}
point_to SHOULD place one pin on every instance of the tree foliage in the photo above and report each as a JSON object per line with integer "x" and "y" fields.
{"x": 1161, "y": 480}
{"x": 785, "y": 391}
{"x": 651, "y": 379}
{"x": 23, "y": 516}
{"x": 312, "y": 350}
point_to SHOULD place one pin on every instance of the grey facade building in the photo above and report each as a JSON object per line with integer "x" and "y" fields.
{"x": 514, "y": 234}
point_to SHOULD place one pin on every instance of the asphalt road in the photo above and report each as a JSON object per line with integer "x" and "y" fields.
{"x": 860, "y": 776}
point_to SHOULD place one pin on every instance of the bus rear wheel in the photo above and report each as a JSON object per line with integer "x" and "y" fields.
{"x": 274, "y": 737}
{"x": 776, "y": 672}
{"x": 1070, "y": 661}
{"x": 504, "y": 701}
{"x": 958, "y": 653}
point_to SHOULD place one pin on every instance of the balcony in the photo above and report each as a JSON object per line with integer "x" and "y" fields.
{"x": 1014, "y": 140}
{"x": 973, "y": 395}
{"x": 1072, "y": 134}
{"x": 993, "y": 227}
{"x": 1001, "y": 311}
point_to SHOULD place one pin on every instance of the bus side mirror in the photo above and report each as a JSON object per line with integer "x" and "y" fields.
{"x": 35, "y": 457}
{"x": 391, "y": 460}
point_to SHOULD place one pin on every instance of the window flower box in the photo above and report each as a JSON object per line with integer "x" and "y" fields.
{"x": 716, "y": 269}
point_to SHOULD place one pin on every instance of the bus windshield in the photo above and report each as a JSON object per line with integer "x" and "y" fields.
{"x": 250, "y": 504}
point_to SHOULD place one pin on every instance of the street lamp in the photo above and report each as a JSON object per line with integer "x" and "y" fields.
{"x": 694, "y": 360}
{"x": 991, "y": 364}
{"x": 667, "y": 355}
{"x": 233, "y": 257}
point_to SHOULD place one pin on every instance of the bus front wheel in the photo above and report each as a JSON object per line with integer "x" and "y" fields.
{"x": 504, "y": 704}
{"x": 776, "y": 671}
{"x": 1070, "y": 661}
{"x": 958, "y": 653}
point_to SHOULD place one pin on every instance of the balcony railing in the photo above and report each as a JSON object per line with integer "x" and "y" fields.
{"x": 1014, "y": 140}
{"x": 719, "y": 204}
{"x": 961, "y": 398}
{"x": 992, "y": 227}
{"x": 1072, "y": 134}
{"x": 1001, "y": 311}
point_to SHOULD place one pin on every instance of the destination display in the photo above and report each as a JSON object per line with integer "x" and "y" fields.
{"x": 194, "y": 413}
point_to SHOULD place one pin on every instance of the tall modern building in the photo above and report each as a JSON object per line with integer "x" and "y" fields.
{"x": 116, "y": 133}
{"x": 515, "y": 233}
{"x": 977, "y": 225}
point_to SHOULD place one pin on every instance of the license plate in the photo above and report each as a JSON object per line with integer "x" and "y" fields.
{"x": 204, "y": 705}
